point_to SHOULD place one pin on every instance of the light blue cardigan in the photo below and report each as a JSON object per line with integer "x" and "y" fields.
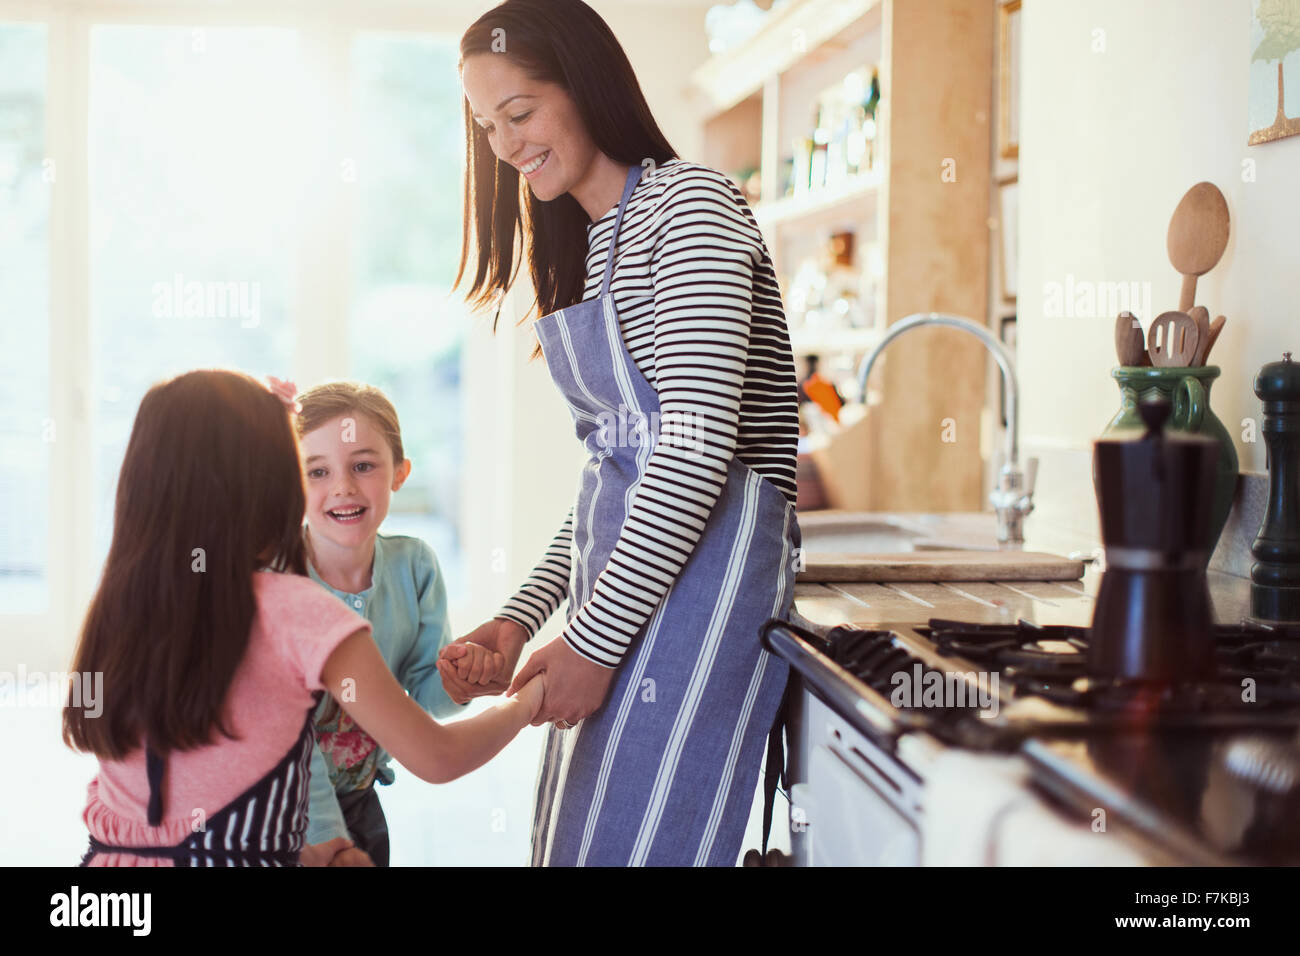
{"x": 406, "y": 605}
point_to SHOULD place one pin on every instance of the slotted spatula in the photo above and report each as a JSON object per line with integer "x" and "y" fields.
{"x": 1172, "y": 340}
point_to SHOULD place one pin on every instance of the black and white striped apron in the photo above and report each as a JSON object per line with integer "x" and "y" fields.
{"x": 265, "y": 825}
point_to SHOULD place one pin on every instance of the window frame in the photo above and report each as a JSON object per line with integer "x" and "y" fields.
{"x": 326, "y": 30}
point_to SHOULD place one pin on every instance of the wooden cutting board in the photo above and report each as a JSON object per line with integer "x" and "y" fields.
{"x": 941, "y": 566}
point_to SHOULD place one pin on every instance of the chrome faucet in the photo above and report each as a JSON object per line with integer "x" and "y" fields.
{"x": 1013, "y": 498}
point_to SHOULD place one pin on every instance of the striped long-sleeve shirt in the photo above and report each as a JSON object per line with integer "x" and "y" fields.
{"x": 701, "y": 316}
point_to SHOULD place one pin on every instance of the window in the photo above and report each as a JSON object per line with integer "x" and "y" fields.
{"x": 405, "y": 330}
{"x": 27, "y": 428}
{"x": 195, "y": 161}
{"x": 280, "y": 196}
{"x": 210, "y": 152}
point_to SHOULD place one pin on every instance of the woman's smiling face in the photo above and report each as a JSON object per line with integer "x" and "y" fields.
{"x": 350, "y": 479}
{"x": 532, "y": 125}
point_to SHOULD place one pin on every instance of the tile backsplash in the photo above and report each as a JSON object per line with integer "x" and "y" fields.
{"x": 1232, "y": 554}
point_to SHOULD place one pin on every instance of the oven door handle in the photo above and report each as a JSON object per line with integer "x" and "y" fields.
{"x": 862, "y": 706}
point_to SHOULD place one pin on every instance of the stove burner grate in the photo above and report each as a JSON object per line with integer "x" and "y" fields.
{"x": 1258, "y": 668}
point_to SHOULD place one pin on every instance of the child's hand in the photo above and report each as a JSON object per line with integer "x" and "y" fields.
{"x": 533, "y": 693}
{"x": 352, "y": 856}
{"x": 499, "y": 634}
{"x": 320, "y": 854}
{"x": 475, "y": 664}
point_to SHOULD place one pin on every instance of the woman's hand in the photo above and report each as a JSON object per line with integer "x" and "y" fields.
{"x": 575, "y": 686}
{"x": 500, "y": 635}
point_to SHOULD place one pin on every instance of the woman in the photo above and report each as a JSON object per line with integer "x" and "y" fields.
{"x": 662, "y": 327}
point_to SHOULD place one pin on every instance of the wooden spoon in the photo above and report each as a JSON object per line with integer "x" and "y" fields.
{"x": 1130, "y": 344}
{"x": 1172, "y": 340}
{"x": 1198, "y": 234}
{"x": 1201, "y": 316}
{"x": 1215, "y": 328}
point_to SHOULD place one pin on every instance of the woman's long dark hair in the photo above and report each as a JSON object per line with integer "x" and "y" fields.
{"x": 564, "y": 42}
{"x": 210, "y": 491}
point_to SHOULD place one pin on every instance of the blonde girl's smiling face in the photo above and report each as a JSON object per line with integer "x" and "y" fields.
{"x": 350, "y": 477}
{"x": 530, "y": 124}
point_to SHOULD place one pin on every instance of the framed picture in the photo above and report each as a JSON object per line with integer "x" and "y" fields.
{"x": 1275, "y": 55}
{"x": 1009, "y": 79}
{"x": 1008, "y": 227}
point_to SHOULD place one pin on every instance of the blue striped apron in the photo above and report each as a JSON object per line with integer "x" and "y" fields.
{"x": 665, "y": 772}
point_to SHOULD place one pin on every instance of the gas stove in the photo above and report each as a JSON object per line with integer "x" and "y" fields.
{"x": 1210, "y": 769}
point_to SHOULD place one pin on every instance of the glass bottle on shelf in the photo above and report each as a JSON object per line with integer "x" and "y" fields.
{"x": 869, "y": 107}
{"x": 801, "y": 171}
{"x": 842, "y": 288}
{"x": 818, "y": 165}
{"x": 821, "y": 140}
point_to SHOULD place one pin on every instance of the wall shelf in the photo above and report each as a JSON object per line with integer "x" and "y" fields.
{"x": 922, "y": 237}
{"x": 818, "y": 206}
{"x": 796, "y": 35}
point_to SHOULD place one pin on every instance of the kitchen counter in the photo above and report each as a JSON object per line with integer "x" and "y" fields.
{"x": 1039, "y": 602}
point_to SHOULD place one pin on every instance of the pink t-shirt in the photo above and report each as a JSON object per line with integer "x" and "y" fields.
{"x": 297, "y": 626}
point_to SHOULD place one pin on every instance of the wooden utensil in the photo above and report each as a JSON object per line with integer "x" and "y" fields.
{"x": 1215, "y": 328}
{"x": 1172, "y": 340}
{"x": 1130, "y": 343}
{"x": 1201, "y": 316}
{"x": 1198, "y": 234}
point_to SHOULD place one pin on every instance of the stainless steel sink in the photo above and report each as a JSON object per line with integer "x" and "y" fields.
{"x": 856, "y": 532}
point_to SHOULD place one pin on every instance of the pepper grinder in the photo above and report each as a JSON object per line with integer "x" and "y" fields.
{"x": 1275, "y": 576}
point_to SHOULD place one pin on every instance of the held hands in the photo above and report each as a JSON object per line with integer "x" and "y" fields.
{"x": 457, "y": 661}
{"x": 575, "y": 686}
{"x": 475, "y": 664}
{"x": 532, "y": 694}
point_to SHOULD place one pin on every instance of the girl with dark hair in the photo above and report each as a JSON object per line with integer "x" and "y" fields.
{"x": 212, "y": 670}
{"x": 663, "y": 329}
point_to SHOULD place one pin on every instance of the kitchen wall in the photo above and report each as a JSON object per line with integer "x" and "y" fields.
{"x": 522, "y": 458}
{"x": 1124, "y": 107}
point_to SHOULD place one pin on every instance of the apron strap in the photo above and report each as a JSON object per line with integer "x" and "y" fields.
{"x": 633, "y": 175}
{"x": 155, "y": 766}
{"x": 775, "y": 771}
{"x": 184, "y": 852}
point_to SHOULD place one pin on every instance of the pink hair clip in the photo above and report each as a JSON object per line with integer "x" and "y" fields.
{"x": 285, "y": 392}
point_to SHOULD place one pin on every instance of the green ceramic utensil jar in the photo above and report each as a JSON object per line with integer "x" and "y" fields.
{"x": 1188, "y": 389}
